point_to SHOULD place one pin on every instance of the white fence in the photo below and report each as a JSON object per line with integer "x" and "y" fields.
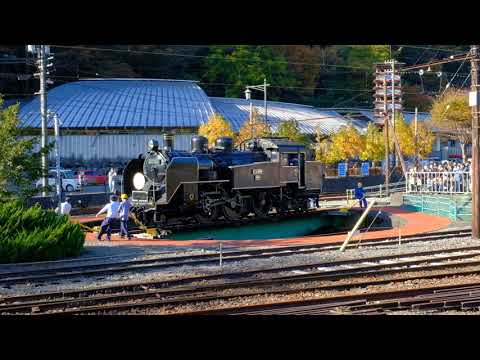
{"x": 439, "y": 182}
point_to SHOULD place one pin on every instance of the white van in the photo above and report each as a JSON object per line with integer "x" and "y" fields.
{"x": 69, "y": 182}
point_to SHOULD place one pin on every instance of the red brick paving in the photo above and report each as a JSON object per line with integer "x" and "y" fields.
{"x": 414, "y": 223}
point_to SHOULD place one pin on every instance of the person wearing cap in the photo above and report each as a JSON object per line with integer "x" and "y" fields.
{"x": 112, "y": 215}
{"x": 65, "y": 207}
{"x": 123, "y": 212}
{"x": 360, "y": 195}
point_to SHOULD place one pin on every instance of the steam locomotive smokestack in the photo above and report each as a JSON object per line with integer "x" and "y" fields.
{"x": 224, "y": 144}
{"x": 167, "y": 142}
{"x": 199, "y": 144}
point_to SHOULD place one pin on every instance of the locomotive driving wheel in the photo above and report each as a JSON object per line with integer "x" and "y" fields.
{"x": 301, "y": 206}
{"x": 262, "y": 204}
{"x": 235, "y": 207}
{"x": 208, "y": 212}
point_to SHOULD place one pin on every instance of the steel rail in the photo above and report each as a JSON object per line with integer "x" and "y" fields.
{"x": 229, "y": 255}
{"x": 49, "y": 305}
{"x": 201, "y": 296}
{"x": 175, "y": 261}
{"x": 287, "y": 307}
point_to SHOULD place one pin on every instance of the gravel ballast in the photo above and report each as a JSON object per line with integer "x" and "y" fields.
{"x": 139, "y": 252}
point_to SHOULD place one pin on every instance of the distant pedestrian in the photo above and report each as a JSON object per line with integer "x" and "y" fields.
{"x": 111, "y": 179}
{"x": 112, "y": 215}
{"x": 123, "y": 213}
{"x": 360, "y": 195}
{"x": 65, "y": 207}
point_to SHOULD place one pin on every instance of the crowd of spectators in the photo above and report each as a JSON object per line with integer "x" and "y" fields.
{"x": 444, "y": 176}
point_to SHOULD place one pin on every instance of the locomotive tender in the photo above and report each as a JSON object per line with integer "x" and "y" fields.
{"x": 269, "y": 173}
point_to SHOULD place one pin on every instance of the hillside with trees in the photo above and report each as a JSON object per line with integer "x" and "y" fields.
{"x": 319, "y": 75}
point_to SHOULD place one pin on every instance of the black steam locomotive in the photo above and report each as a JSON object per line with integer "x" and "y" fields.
{"x": 206, "y": 184}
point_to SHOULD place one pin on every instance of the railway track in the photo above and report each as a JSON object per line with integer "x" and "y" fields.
{"x": 42, "y": 275}
{"x": 175, "y": 292}
{"x": 459, "y": 297}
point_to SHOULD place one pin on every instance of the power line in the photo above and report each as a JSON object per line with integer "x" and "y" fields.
{"x": 213, "y": 84}
{"x": 228, "y": 84}
{"x": 162, "y": 53}
{"x": 453, "y": 78}
{"x": 432, "y": 48}
{"x": 348, "y": 100}
{"x": 463, "y": 84}
{"x": 435, "y": 73}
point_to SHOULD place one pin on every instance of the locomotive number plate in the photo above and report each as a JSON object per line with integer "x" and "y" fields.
{"x": 257, "y": 177}
{"x": 140, "y": 196}
{"x": 257, "y": 171}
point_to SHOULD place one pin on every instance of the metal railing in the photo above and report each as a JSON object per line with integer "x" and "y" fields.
{"x": 377, "y": 190}
{"x": 438, "y": 182}
{"x": 453, "y": 207}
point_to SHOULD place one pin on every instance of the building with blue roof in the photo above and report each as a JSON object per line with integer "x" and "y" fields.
{"x": 107, "y": 120}
{"x": 123, "y": 104}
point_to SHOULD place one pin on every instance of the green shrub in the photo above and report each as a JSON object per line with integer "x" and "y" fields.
{"x": 34, "y": 234}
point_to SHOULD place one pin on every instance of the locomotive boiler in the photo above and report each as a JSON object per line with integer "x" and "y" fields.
{"x": 269, "y": 174}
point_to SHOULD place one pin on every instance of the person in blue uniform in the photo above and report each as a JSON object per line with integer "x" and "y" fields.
{"x": 360, "y": 195}
{"x": 112, "y": 215}
{"x": 123, "y": 214}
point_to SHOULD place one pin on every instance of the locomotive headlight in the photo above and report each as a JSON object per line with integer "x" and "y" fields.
{"x": 138, "y": 181}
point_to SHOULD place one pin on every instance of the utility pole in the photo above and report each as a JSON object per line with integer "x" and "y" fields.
{"x": 393, "y": 111}
{"x": 265, "y": 98}
{"x": 248, "y": 96}
{"x": 381, "y": 112}
{"x": 43, "y": 113}
{"x": 386, "y": 139}
{"x": 56, "y": 126}
{"x": 251, "y": 120}
{"x": 41, "y": 52}
{"x": 475, "y": 144}
{"x": 416, "y": 134}
{"x": 262, "y": 87}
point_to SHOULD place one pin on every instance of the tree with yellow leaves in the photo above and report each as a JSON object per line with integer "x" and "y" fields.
{"x": 405, "y": 136}
{"x": 216, "y": 127}
{"x": 258, "y": 127}
{"x": 346, "y": 143}
{"x": 425, "y": 139}
{"x": 452, "y": 114}
{"x": 322, "y": 150}
{"x": 291, "y": 130}
{"x": 374, "y": 149}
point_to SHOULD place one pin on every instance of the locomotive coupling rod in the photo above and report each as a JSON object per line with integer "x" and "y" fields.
{"x": 357, "y": 225}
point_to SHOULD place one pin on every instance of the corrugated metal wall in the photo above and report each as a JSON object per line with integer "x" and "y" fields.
{"x": 111, "y": 147}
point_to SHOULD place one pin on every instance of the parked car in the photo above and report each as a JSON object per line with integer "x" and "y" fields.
{"x": 69, "y": 182}
{"x": 91, "y": 177}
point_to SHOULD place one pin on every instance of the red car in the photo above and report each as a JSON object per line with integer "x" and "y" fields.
{"x": 91, "y": 177}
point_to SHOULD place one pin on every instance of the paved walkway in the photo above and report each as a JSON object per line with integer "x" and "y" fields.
{"x": 409, "y": 223}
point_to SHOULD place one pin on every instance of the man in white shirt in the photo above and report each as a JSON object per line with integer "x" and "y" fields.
{"x": 123, "y": 213}
{"x": 112, "y": 215}
{"x": 111, "y": 182}
{"x": 65, "y": 207}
